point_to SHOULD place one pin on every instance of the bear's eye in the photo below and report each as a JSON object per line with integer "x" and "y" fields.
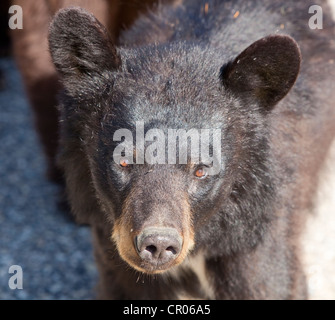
{"x": 201, "y": 172}
{"x": 124, "y": 163}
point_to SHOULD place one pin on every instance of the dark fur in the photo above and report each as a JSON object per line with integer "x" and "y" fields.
{"x": 184, "y": 67}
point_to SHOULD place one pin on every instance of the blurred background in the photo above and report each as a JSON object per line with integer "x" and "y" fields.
{"x": 36, "y": 233}
{"x": 36, "y": 230}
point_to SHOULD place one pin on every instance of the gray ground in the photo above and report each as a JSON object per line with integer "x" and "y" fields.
{"x": 55, "y": 254}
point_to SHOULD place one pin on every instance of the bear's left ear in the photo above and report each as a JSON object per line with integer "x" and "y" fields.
{"x": 80, "y": 47}
{"x": 264, "y": 72}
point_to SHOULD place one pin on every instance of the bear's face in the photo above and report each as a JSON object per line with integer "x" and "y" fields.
{"x": 175, "y": 138}
{"x": 152, "y": 194}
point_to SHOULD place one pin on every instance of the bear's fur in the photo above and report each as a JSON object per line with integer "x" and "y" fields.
{"x": 252, "y": 69}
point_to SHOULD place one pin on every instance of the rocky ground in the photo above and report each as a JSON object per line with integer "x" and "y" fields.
{"x": 55, "y": 254}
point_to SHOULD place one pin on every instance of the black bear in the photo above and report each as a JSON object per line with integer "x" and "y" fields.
{"x": 239, "y": 92}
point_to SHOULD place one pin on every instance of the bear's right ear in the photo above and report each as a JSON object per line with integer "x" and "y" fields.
{"x": 265, "y": 71}
{"x": 80, "y": 46}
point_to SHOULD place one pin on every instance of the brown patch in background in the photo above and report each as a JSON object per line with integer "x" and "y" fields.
{"x": 30, "y": 46}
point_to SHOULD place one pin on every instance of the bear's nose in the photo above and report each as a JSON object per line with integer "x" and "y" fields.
{"x": 158, "y": 246}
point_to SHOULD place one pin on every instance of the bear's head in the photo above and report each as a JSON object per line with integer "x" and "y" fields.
{"x": 167, "y": 145}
